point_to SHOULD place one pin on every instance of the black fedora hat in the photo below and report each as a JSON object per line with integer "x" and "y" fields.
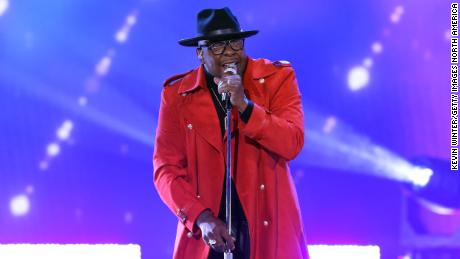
{"x": 215, "y": 25}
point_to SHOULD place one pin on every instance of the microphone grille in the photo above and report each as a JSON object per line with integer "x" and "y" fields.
{"x": 230, "y": 68}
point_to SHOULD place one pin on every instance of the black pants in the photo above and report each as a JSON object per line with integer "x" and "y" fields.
{"x": 240, "y": 228}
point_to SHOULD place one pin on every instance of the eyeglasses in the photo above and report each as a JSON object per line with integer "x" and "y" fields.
{"x": 218, "y": 48}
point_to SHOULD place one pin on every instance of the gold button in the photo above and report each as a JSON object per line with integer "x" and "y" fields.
{"x": 184, "y": 94}
{"x": 265, "y": 223}
{"x": 190, "y": 234}
{"x": 262, "y": 187}
{"x": 189, "y": 126}
{"x": 262, "y": 80}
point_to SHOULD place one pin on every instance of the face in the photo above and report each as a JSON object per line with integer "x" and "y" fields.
{"x": 208, "y": 53}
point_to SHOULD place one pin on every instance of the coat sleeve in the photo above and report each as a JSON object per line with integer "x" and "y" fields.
{"x": 170, "y": 164}
{"x": 280, "y": 128}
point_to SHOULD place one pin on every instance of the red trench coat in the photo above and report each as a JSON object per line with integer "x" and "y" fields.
{"x": 189, "y": 159}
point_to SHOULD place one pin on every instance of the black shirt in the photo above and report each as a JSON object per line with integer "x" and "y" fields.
{"x": 237, "y": 210}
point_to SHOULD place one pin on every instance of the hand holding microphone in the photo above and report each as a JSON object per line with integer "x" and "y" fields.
{"x": 231, "y": 86}
{"x": 230, "y": 70}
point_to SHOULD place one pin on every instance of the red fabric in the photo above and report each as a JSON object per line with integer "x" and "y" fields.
{"x": 189, "y": 159}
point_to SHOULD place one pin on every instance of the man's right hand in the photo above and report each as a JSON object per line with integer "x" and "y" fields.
{"x": 214, "y": 232}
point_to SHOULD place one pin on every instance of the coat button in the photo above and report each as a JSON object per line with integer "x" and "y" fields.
{"x": 265, "y": 223}
{"x": 198, "y": 196}
{"x": 262, "y": 80}
{"x": 184, "y": 94}
{"x": 262, "y": 187}
{"x": 190, "y": 234}
{"x": 189, "y": 126}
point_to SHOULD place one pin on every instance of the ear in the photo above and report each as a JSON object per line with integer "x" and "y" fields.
{"x": 199, "y": 54}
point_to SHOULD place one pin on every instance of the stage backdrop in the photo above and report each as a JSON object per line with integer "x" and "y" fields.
{"x": 80, "y": 85}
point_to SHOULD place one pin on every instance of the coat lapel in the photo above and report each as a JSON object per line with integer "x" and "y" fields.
{"x": 198, "y": 108}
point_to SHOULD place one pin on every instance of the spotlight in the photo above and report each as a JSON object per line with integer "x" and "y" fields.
{"x": 128, "y": 217}
{"x": 344, "y": 251}
{"x": 431, "y": 211}
{"x": 420, "y": 176}
{"x": 432, "y": 180}
{"x": 64, "y": 131}
{"x": 19, "y": 205}
{"x": 358, "y": 78}
{"x": 30, "y": 189}
{"x": 103, "y": 66}
{"x": 122, "y": 35}
{"x": 59, "y": 251}
{"x": 329, "y": 124}
{"x": 367, "y": 62}
{"x": 82, "y": 101}
{"x": 4, "y": 4}
{"x": 396, "y": 15}
{"x": 399, "y": 10}
{"x": 131, "y": 19}
{"x": 43, "y": 165}
{"x": 377, "y": 47}
{"x": 53, "y": 149}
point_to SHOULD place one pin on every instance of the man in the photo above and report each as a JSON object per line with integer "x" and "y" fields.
{"x": 267, "y": 132}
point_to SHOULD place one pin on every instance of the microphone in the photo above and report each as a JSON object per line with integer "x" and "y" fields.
{"x": 230, "y": 69}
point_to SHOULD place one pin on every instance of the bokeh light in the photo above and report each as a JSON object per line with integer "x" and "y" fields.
{"x": 4, "y": 4}
{"x": 358, "y": 78}
{"x": 19, "y": 205}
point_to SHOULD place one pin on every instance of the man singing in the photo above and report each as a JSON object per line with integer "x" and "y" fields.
{"x": 267, "y": 131}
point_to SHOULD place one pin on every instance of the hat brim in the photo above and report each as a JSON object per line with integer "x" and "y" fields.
{"x": 193, "y": 42}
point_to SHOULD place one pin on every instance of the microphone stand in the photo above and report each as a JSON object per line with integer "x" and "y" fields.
{"x": 228, "y": 173}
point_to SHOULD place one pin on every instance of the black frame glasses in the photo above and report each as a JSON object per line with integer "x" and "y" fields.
{"x": 219, "y": 47}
